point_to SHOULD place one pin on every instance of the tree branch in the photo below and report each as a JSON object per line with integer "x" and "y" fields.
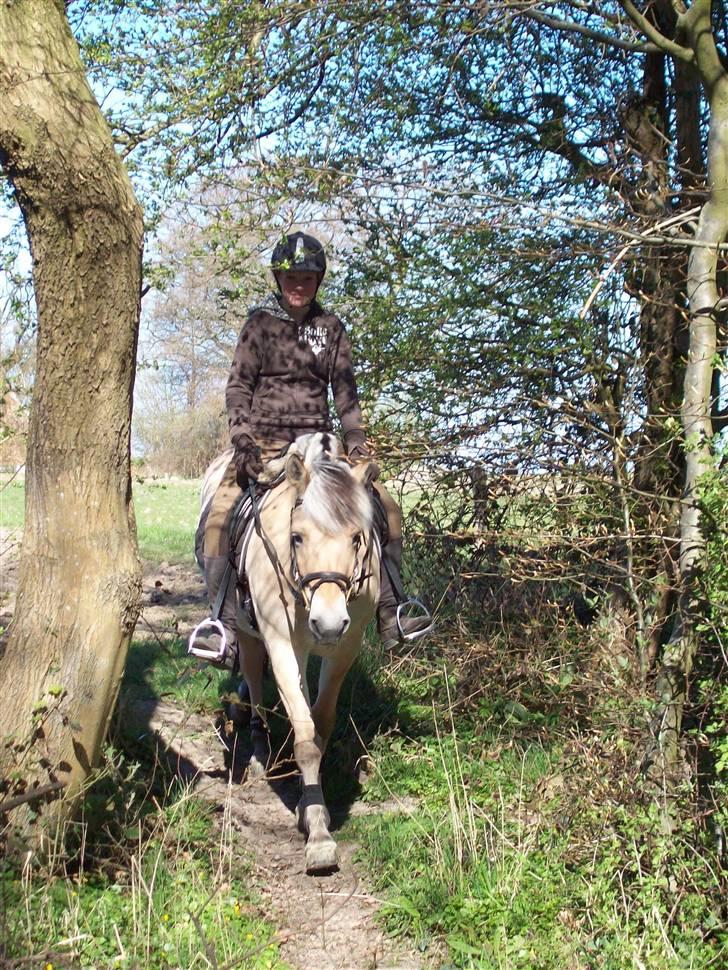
{"x": 662, "y": 43}
{"x": 31, "y": 796}
{"x": 597, "y": 35}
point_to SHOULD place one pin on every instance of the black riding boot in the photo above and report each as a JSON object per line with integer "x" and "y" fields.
{"x": 217, "y": 640}
{"x": 409, "y": 627}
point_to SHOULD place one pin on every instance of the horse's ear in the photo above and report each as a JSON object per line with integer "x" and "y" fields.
{"x": 296, "y": 472}
{"x": 365, "y": 471}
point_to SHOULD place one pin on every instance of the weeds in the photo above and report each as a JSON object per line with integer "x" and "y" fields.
{"x": 523, "y": 854}
{"x": 147, "y": 878}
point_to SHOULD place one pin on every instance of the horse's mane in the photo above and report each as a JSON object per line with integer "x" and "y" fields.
{"x": 334, "y": 499}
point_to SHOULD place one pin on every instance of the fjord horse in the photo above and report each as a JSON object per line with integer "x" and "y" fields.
{"x": 311, "y": 560}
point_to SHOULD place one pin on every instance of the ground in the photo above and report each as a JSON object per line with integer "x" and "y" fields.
{"x": 327, "y": 922}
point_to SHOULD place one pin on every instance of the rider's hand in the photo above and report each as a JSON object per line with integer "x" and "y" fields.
{"x": 356, "y": 445}
{"x": 246, "y": 458}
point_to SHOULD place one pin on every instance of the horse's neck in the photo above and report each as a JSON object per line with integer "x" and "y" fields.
{"x": 275, "y": 516}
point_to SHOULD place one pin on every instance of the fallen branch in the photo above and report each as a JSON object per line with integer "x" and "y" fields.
{"x": 30, "y": 796}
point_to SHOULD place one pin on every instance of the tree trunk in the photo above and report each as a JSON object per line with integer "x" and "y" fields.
{"x": 704, "y": 299}
{"x": 78, "y": 592}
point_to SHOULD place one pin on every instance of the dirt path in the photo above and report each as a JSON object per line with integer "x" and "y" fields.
{"x": 326, "y": 922}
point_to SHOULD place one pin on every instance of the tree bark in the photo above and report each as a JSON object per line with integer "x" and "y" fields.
{"x": 704, "y": 297}
{"x": 79, "y": 584}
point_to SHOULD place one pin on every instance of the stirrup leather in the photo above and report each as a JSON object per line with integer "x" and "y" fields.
{"x": 214, "y": 656}
{"x": 423, "y": 612}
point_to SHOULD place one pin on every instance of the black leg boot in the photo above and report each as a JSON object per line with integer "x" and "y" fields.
{"x": 216, "y": 640}
{"x": 394, "y": 630}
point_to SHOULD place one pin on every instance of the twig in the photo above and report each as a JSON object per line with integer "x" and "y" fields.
{"x": 31, "y": 796}
{"x": 665, "y": 223}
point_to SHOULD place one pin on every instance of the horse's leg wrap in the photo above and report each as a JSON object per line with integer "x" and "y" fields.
{"x": 311, "y": 812}
{"x": 313, "y": 820}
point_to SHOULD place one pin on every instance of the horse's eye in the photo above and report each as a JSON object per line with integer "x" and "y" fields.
{"x": 296, "y": 538}
{"x": 356, "y": 540}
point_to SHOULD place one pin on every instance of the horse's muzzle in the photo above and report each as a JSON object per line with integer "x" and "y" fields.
{"x": 328, "y": 617}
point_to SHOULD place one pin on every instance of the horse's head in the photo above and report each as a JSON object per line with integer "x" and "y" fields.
{"x": 331, "y": 538}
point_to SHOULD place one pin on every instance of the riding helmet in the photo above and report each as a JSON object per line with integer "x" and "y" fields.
{"x": 299, "y": 252}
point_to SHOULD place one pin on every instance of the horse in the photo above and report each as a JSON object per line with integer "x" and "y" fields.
{"x": 311, "y": 561}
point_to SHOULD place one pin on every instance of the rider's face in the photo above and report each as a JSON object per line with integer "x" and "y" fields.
{"x": 298, "y": 289}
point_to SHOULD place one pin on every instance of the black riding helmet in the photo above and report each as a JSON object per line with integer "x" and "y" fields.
{"x": 299, "y": 252}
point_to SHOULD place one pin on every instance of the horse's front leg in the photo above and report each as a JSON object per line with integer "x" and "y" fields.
{"x": 312, "y": 814}
{"x": 252, "y": 666}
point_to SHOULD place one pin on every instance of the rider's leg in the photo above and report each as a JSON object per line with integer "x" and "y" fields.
{"x": 216, "y": 556}
{"x": 389, "y": 629}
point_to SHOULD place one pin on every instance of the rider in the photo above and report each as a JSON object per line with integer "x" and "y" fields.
{"x": 289, "y": 352}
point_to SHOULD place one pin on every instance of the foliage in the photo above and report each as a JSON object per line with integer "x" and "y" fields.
{"x": 152, "y": 883}
{"x": 712, "y": 661}
{"x": 520, "y": 853}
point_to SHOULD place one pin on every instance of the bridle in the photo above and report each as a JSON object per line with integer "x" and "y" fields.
{"x": 304, "y": 587}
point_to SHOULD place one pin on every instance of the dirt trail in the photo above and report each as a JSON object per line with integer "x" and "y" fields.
{"x": 327, "y": 922}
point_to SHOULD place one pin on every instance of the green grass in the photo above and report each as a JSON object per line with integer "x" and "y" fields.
{"x": 153, "y": 670}
{"x": 166, "y": 514}
{"x": 12, "y": 500}
{"x": 155, "y": 884}
{"x": 522, "y": 853}
{"x": 490, "y": 864}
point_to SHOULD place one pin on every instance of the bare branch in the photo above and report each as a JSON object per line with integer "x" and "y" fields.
{"x": 597, "y": 35}
{"x": 663, "y": 43}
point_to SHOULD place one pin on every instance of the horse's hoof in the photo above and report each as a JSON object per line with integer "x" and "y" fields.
{"x": 321, "y": 857}
{"x": 256, "y": 769}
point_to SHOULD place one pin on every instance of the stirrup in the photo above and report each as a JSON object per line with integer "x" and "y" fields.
{"x": 424, "y": 614}
{"x": 213, "y": 656}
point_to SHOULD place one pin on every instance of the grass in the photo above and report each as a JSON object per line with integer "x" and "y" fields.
{"x": 166, "y": 515}
{"x": 154, "y": 878}
{"x": 531, "y": 846}
{"x": 514, "y": 871}
{"x": 154, "y": 883}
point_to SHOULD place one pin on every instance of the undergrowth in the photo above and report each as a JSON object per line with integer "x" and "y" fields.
{"x": 148, "y": 877}
{"x": 526, "y": 839}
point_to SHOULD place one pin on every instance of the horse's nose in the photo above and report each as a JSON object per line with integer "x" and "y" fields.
{"x": 329, "y": 629}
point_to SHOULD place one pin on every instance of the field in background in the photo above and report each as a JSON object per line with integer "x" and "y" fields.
{"x": 166, "y": 514}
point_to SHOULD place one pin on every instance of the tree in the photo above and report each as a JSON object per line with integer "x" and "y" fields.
{"x": 692, "y": 42}
{"x": 79, "y": 586}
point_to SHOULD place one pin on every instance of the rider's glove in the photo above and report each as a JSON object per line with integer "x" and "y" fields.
{"x": 356, "y": 445}
{"x": 246, "y": 459}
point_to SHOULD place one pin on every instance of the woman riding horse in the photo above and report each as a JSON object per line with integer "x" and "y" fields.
{"x": 289, "y": 352}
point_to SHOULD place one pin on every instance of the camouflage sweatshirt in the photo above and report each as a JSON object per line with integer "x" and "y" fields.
{"x": 281, "y": 372}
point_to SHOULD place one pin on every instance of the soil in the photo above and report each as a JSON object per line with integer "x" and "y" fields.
{"x": 328, "y": 922}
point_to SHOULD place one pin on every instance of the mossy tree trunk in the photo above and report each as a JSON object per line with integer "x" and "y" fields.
{"x": 78, "y": 591}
